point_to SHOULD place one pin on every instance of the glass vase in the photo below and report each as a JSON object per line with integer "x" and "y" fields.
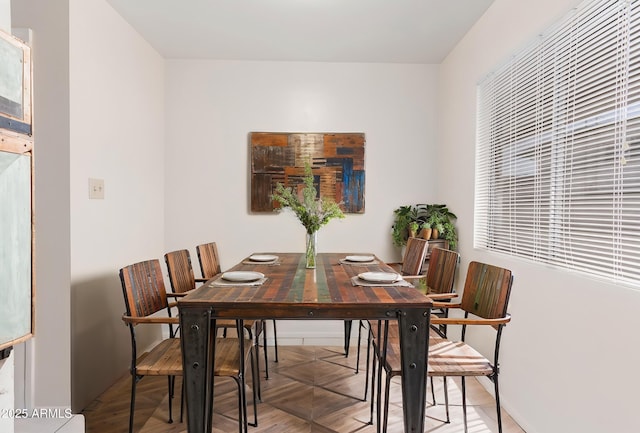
{"x": 310, "y": 255}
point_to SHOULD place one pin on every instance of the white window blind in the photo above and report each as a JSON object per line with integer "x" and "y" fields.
{"x": 558, "y": 146}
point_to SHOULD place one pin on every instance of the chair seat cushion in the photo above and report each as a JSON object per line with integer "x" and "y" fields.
{"x": 165, "y": 359}
{"x": 449, "y": 358}
{"x": 227, "y": 362}
{"x": 446, "y": 357}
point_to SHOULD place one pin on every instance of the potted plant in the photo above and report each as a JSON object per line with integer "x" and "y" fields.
{"x": 407, "y": 221}
{"x": 413, "y": 229}
{"x": 440, "y": 220}
{"x": 425, "y": 231}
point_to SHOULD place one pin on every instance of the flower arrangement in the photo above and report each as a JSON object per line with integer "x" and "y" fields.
{"x": 312, "y": 212}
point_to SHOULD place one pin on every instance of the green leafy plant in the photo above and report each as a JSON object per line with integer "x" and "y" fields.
{"x": 441, "y": 219}
{"x": 312, "y": 212}
{"x": 407, "y": 218}
{"x": 410, "y": 218}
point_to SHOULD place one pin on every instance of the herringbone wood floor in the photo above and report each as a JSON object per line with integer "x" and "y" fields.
{"x": 310, "y": 390}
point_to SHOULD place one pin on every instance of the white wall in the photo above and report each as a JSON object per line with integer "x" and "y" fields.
{"x": 5, "y": 15}
{"x": 98, "y": 112}
{"x": 569, "y": 353}
{"x": 51, "y": 375}
{"x": 212, "y": 106}
{"x": 117, "y": 134}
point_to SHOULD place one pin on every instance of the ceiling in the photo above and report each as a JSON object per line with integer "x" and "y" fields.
{"x": 376, "y": 31}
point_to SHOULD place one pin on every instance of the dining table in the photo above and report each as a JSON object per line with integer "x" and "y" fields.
{"x": 337, "y": 288}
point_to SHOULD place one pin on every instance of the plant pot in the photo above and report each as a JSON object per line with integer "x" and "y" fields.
{"x": 434, "y": 234}
{"x": 426, "y": 233}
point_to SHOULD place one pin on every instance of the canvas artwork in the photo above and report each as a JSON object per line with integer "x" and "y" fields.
{"x": 17, "y": 285}
{"x": 15, "y": 85}
{"x": 15, "y": 248}
{"x": 337, "y": 160}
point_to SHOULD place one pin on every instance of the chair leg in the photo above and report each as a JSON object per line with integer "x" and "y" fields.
{"x": 347, "y": 336}
{"x": 464, "y": 404}
{"x": 386, "y": 402}
{"x": 378, "y": 395}
{"x": 242, "y": 407}
{"x": 133, "y": 401}
{"x": 255, "y": 352}
{"x": 242, "y": 398}
{"x": 366, "y": 375}
{"x": 373, "y": 385}
{"x": 498, "y": 410}
{"x": 240, "y": 378}
{"x": 275, "y": 339}
{"x": 433, "y": 392}
{"x": 171, "y": 380}
{"x": 264, "y": 346}
{"x": 358, "y": 352}
{"x": 382, "y": 342}
{"x": 446, "y": 398}
{"x": 255, "y": 380}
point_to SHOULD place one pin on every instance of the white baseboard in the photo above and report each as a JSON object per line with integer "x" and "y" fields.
{"x": 313, "y": 333}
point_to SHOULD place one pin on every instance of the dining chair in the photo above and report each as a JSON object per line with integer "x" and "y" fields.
{"x": 484, "y": 302}
{"x": 209, "y": 268}
{"x": 410, "y": 268}
{"x": 389, "y": 331}
{"x": 413, "y": 258}
{"x": 145, "y": 298}
{"x": 440, "y": 277}
{"x": 182, "y": 281}
{"x": 439, "y": 281}
{"x": 209, "y": 260}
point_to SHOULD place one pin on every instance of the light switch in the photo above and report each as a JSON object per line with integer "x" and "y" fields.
{"x": 96, "y": 189}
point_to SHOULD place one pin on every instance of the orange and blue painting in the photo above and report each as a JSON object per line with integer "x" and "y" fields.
{"x": 336, "y": 159}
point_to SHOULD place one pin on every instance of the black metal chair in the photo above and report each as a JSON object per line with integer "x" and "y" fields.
{"x": 145, "y": 296}
{"x": 209, "y": 268}
{"x": 411, "y": 269}
{"x": 484, "y": 302}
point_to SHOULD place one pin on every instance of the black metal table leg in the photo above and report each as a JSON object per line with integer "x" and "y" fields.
{"x": 197, "y": 347}
{"x": 414, "y": 343}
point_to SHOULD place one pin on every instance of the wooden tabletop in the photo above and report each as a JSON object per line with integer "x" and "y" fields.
{"x": 292, "y": 291}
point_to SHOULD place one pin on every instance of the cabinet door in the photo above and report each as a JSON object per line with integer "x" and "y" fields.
{"x": 15, "y": 248}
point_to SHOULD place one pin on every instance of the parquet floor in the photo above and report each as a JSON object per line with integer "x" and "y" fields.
{"x": 310, "y": 390}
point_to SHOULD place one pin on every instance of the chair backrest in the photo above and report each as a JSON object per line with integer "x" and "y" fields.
{"x": 208, "y": 258}
{"x": 180, "y": 271}
{"x": 143, "y": 288}
{"x": 486, "y": 290}
{"x": 414, "y": 256}
{"x": 442, "y": 270}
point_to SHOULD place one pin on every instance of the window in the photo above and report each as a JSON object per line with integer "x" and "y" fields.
{"x": 558, "y": 151}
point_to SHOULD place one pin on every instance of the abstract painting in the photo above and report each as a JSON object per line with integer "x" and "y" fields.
{"x": 336, "y": 159}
